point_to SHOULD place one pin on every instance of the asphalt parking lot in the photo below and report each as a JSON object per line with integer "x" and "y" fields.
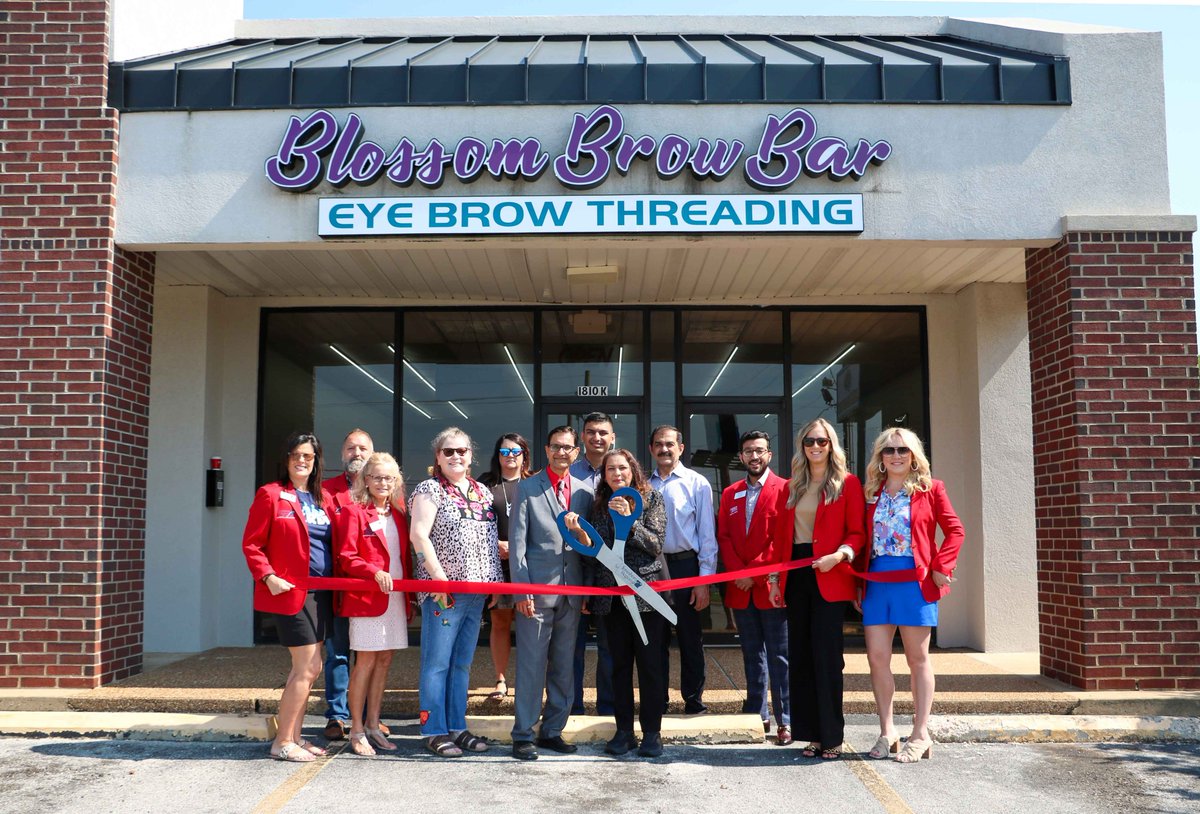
{"x": 101, "y": 775}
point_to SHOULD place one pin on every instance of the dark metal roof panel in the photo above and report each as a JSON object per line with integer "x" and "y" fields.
{"x": 566, "y": 69}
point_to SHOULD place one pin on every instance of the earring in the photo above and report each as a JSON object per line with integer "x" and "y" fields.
{"x": 882, "y": 468}
{"x": 914, "y": 466}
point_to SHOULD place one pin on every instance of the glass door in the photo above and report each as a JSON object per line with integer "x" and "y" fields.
{"x": 626, "y": 414}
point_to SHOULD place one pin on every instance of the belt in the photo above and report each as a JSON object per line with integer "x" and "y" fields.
{"x": 679, "y": 555}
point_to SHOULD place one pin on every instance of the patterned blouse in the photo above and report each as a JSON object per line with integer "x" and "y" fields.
{"x": 893, "y": 525}
{"x": 463, "y": 535}
{"x": 641, "y": 551}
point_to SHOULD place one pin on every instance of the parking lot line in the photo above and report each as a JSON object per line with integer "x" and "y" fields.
{"x": 279, "y": 796}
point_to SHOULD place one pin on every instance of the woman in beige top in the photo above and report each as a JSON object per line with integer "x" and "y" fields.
{"x": 822, "y": 516}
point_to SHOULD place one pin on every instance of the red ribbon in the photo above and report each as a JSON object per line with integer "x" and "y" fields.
{"x": 458, "y": 587}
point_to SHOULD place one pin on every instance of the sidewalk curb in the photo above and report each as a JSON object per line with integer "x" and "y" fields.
{"x": 136, "y": 726}
{"x": 1063, "y": 729}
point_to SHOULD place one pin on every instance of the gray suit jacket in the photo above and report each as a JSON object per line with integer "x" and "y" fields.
{"x": 536, "y": 551}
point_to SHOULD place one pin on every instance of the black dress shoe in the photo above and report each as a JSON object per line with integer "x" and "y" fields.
{"x": 523, "y": 750}
{"x": 621, "y": 743}
{"x": 699, "y": 709}
{"x": 651, "y": 745}
{"x": 557, "y": 744}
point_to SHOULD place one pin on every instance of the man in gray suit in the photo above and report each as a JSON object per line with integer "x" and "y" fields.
{"x": 546, "y": 624}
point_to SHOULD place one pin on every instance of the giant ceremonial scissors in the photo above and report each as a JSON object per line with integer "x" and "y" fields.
{"x": 614, "y": 558}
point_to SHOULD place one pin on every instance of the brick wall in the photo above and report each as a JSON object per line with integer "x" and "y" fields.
{"x": 1115, "y": 416}
{"x": 74, "y": 362}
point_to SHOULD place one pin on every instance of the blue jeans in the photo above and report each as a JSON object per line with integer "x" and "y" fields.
{"x": 337, "y": 670}
{"x": 763, "y": 634}
{"x": 448, "y": 639}
{"x": 604, "y": 667}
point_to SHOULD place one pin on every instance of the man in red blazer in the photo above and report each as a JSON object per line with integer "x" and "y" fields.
{"x": 745, "y": 526}
{"x": 356, "y": 448}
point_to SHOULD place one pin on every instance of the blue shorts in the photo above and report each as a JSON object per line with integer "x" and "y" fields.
{"x": 897, "y": 603}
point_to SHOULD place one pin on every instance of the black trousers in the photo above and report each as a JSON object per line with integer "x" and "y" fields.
{"x": 814, "y": 658}
{"x": 691, "y": 642}
{"x": 626, "y": 648}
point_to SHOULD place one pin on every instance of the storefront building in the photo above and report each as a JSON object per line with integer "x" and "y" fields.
{"x": 719, "y": 223}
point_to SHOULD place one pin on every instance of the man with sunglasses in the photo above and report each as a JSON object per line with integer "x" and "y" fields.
{"x": 357, "y": 447}
{"x": 546, "y": 624}
{"x": 598, "y": 438}
{"x": 745, "y": 526}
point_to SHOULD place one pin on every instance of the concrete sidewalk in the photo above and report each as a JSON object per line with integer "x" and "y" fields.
{"x": 229, "y": 693}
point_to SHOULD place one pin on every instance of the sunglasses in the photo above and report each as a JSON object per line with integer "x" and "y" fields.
{"x": 450, "y": 452}
{"x": 820, "y": 442}
{"x": 510, "y": 452}
{"x": 303, "y": 457}
{"x": 896, "y": 450}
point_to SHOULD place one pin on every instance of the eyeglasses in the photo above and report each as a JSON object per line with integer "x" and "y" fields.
{"x": 756, "y": 453}
{"x": 450, "y": 452}
{"x": 809, "y": 441}
{"x": 387, "y": 479}
{"x": 303, "y": 457}
{"x": 510, "y": 452}
{"x": 558, "y": 448}
{"x": 896, "y": 450}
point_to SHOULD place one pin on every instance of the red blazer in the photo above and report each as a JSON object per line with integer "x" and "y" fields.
{"x": 362, "y": 553}
{"x": 837, "y": 524}
{"x": 276, "y": 542}
{"x": 758, "y": 546}
{"x": 929, "y": 511}
{"x": 339, "y": 489}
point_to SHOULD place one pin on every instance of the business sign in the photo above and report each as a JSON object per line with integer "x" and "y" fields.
{"x": 318, "y": 148}
{"x": 592, "y": 391}
{"x": 589, "y": 214}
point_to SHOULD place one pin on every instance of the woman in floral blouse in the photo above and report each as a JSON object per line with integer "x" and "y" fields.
{"x": 453, "y": 530}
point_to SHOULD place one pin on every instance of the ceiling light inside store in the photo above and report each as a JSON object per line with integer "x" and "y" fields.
{"x": 840, "y": 357}
{"x": 593, "y": 275}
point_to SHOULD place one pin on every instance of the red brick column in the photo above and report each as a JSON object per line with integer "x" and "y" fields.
{"x": 74, "y": 362}
{"x": 1116, "y": 414}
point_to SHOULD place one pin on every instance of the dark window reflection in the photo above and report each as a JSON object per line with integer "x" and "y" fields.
{"x": 732, "y": 353}
{"x": 597, "y": 348}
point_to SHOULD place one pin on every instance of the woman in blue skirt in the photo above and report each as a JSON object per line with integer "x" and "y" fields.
{"x": 905, "y": 507}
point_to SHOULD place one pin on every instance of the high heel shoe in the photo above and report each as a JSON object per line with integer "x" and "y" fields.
{"x": 377, "y": 739}
{"x": 915, "y": 749}
{"x": 884, "y": 746}
{"x": 359, "y": 744}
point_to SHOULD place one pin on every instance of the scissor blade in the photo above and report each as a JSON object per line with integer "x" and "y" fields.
{"x": 631, "y": 606}
{"x": 627, "y": 576}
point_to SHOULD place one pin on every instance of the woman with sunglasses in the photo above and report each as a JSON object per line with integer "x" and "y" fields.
{"x": 820, "y": 515}
{"x": 905, "y": 508}
{"x": 453, "y": 531}
{"x": 510, "y": 465}
{"x": 375, "y": 534}
{"x": 289, "y": 538}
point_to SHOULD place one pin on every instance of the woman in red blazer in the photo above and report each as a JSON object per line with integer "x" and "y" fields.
{"x": 906, "y": 507}
{"x": 289, "y": 538}
{"x": 820, "y": 515}
{"x": 375, "y": 546}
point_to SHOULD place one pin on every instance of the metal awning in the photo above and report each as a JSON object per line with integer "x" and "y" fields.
{"x": 568, "y": 69}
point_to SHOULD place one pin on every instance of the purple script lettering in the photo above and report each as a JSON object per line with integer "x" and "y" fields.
{"x": 517, "y": 158}
{"x": 303, "y": 142}
{"x": 607, "y": 122}
{"x": 790, "y": 152}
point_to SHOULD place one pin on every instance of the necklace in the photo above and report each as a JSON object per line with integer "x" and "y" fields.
{"x": 507, "y": 500}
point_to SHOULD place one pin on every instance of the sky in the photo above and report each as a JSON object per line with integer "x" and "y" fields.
{"x": 1178, "y": 20}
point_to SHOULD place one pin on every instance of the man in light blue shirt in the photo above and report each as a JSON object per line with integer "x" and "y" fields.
{"x": 690, "y": 550}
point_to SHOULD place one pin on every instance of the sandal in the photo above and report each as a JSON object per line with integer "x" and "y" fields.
{"x": 292, "y": 752}
{"x": 884, "y": 746}
{"x": 501, "y": 691}
{"x": 316, "y": 751}
{"x": 471, "y": 743}
{"x": 915, "y": 749}
{"x": 812, "y": 750}
{"x": 442, "y": 746}
{"x": 831, "y": 753}
{"x": 377, "y": 739}
{"x": 359, "y": 744}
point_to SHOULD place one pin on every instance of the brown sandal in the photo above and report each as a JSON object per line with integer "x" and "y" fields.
{"x": 442, "y": 746}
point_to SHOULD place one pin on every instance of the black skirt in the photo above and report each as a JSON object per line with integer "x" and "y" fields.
{"x": 311, "y": 625}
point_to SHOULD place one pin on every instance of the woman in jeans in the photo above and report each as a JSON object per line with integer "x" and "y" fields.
{"x": 453, "y": 530}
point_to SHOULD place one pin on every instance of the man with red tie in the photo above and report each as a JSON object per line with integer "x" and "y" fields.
{"x": 745, "y": 521}
{"x": 356, "y": 449}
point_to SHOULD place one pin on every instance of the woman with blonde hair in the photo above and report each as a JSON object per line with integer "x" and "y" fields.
{"x": 820, "y": 515}
{"x": 905, "y": 508}
{"x": 375, "y": 546}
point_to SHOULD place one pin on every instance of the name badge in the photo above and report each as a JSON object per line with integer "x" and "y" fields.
{"x": 288, "y": 496}
{"x": 377, "y": 525}
{"x": 738, "y": 495}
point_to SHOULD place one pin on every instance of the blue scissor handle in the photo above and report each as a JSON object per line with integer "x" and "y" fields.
{"x": 622, "y": 523}
{"x": 570, "y": 539}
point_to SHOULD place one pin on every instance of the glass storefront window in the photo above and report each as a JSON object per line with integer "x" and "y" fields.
{"x": 592, "y": 348}
{"x": 732, "y": 354}
{"x": 861, "y": 371}
{"x": 469, "y": 369}
{"x": 662, "y": 376}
